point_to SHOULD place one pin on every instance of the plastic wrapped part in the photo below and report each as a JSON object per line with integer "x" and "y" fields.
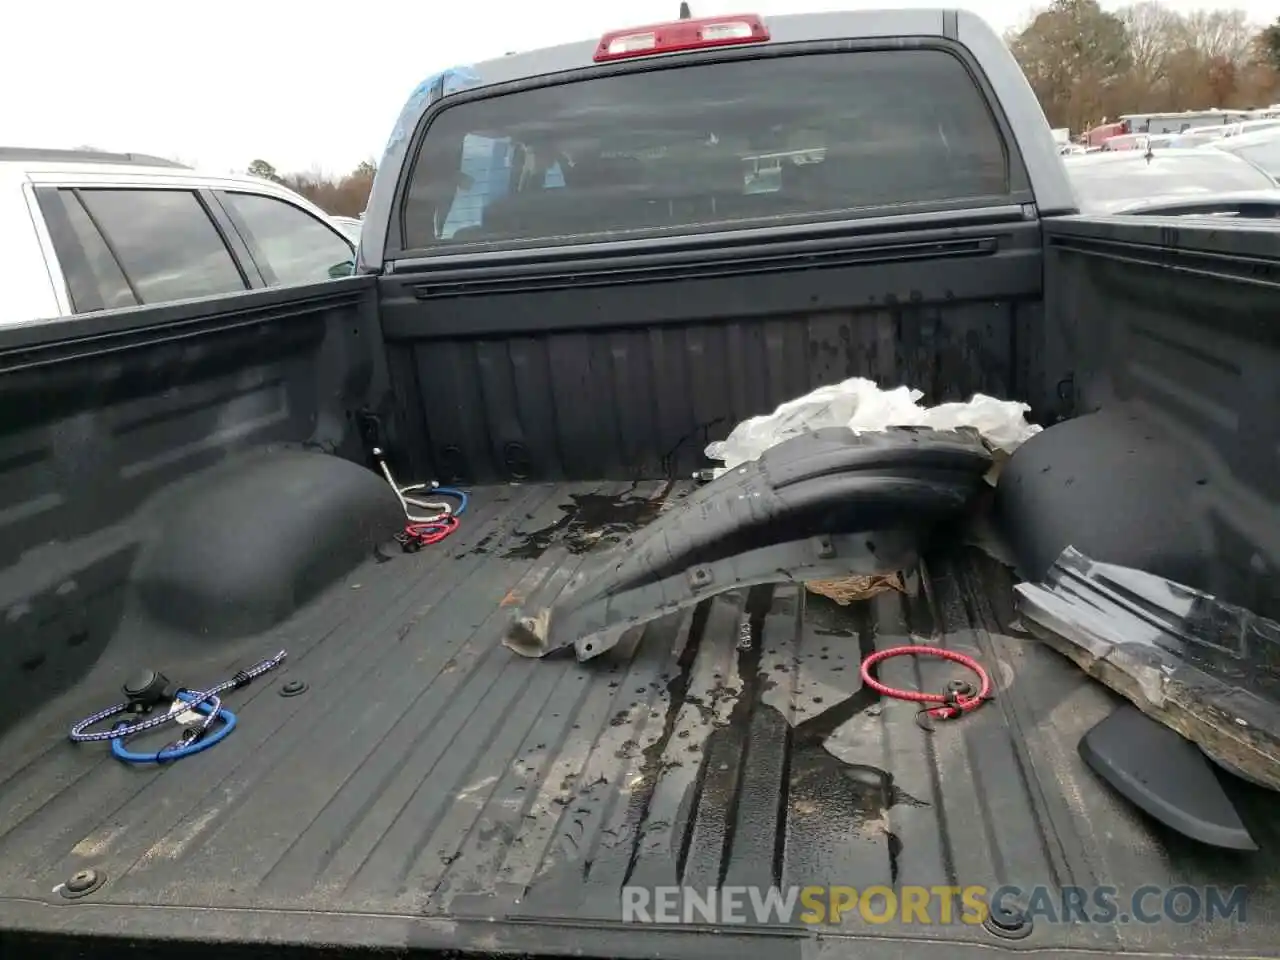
{"x": 862, "y": 406}
{"x": 433, "y": 87}
{"x": 768, "y": 521}
{"x": 1207, "y": 669}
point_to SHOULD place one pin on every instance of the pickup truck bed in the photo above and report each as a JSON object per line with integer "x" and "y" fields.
{"x": 209, "y": 465}
{"x": 431, "y": 788}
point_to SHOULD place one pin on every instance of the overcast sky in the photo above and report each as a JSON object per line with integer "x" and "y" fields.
{"x": 301, "y": 85}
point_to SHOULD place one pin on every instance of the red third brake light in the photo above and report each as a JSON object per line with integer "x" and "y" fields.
{"x": 681, "y": 35}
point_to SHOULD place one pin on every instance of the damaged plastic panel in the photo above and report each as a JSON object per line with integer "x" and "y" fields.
{"x": 1207, "y": 669}
{"x": 824, "y": 504}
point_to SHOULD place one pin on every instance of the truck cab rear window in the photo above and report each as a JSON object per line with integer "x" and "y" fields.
{"x": 709, "y": 146}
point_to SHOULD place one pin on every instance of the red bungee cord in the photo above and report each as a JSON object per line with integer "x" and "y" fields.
{"x": 950, "y": 705}
{"x": 425, "y": 534}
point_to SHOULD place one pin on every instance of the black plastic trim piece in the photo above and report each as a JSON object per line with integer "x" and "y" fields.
{"x": 596, "y": 624}
{"x": 708, "y": 267}
{"x": 818, "y": 505}
{"x": 1194, "y": 663}
{"x": 1165, "y": 776}
{"x": 979, "y": 263}
{"x": 781, "y": 239}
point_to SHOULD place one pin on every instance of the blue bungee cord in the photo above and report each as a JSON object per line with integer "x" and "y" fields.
{"x": 193, "y": 739}
{"x": 460, "y": 495}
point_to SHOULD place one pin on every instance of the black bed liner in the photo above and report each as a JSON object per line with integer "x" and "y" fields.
{"x": 432, "y": 790}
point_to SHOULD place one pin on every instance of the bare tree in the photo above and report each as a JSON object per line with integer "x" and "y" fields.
{"x": 341, "y": 196}
{"x": 1155, "y": 33}
{"x": 1222, "y": 34}
{"x": 1086, "y": 64}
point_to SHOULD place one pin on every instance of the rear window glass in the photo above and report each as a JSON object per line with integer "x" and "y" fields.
{"x": 708, "y": 146}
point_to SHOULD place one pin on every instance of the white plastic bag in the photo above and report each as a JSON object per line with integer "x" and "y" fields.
{"x": 862, "y": 406}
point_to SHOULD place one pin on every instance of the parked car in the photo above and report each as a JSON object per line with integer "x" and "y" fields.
{"x": 1129, "y": 181}
{"x": 1261, "y": 148}
{"x": 1245, "y": 127}
{"x": 1125, "y": 141}
{"x": 87, "y": 231}
{"x": 1138, "y": 141}
{"x": 1199, "y": 137}
{"x": 349, "y": 226}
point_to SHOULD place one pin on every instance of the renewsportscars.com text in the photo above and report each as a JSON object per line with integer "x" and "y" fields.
{"x": 933, "y": 905}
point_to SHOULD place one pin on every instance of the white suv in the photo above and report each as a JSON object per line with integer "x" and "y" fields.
{"x": 83, "y": 231}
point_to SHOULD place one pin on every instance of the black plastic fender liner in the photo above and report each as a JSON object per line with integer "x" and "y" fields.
{"x": 830, "y": 504}
{"x": 597, "y": 626}
{"x": 833, "y": 450}
{"x": 831, "y": 482}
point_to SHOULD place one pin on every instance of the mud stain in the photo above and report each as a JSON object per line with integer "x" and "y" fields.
{"x": 819, "y": 800}
{"x": 590, "y": 521}
{"x": 768, "y": 799}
